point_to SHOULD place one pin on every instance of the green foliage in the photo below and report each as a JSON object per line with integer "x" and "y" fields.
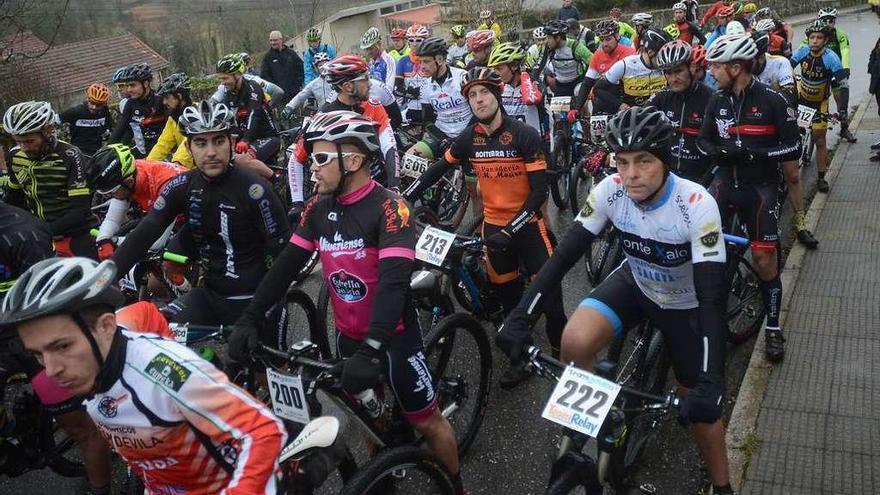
{"x": 202, "y": 87}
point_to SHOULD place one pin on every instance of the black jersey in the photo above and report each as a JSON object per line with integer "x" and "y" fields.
{"x": 685, "y": 111}
{"x": 87, "y": 128}
{"x": 145, "y": 118}
{"x": 24, "y": 240}
{"x": 251, "y": 112}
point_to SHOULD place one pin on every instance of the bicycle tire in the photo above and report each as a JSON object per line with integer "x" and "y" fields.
{"x": 311, "y": 331}
{"x": 472, "y": 227}
{"x": 452, "y": 210}
{"x": 744, "y": 296}
{"x": 605, "y": 255}
{"x": 373, "y": 477}
{"x": 307, "y": 269}
{"x": 441, "y": 339}
{"x": 578, "y": 477}
{"x": 575, "y": 176}
{"x": 807, "y": 148}
{"x": 559, "y": 199}
{"x": 325, "y": 323}
{"x": 562, "y": 160}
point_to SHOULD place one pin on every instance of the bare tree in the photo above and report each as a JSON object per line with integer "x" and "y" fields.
{"x": 19, "y": 16}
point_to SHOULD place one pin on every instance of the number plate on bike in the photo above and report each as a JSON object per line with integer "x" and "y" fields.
{"x": 598, "y": 123}
{"x": 580, "y": 401}
{"x": 433, "y": 245}
{"x": 805, "y": 116}
{"x": 180, "y": 332}
{"x": 560, "y": 103}
{"x": 414, "y": 166}
{"x": 288, "y": 398}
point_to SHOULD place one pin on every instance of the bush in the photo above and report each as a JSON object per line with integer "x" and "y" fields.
{"x": 203, "y": 87}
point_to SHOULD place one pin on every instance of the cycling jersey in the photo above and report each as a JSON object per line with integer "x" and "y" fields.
{"x": 626, "y": 30}
{"x": 172, "y": 142}
{"x": 777, "y": 74}
{"x": 378, "y": 92}
{"x": 533, "y": 55}
{"x": 444, "y": 98}
{"x": 529, "y": 108}
{"x": 456, "y": 54}
{"x": 714, "y": 35}
{"x": 637, "y": 80}
{"x": 317, "y": 89}
{"x": 150, "y": 178}
{"x": 602, "y": 60}
{"x": 53, "y": 187}
{"x": 495, "y": 27}
{"x": 689, "y": 31}
{"x": 399, "y": 54}
{"x": 663, "y": 241}
{"x": 570, "y": 61}
{"x": 382, "y": 68}
{"x": 24, "y": 240}
{"x": 180, "y": 424}
{"x": 271, "y": 90}
{"x": 145, "y": 119}
{"x": 235, "y": 221}
{"x": 87, "y": 128}
{"x": 309, "y": 57}
{"x": 252, "y": 116}
{"x": 816, "y": 73}
{"x": 409, "y": 78}
{"x": 685, "y": 110}
{"x": 353, "y": 233}
{"x": 759, "y": 121}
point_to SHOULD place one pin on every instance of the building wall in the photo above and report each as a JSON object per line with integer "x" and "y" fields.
{"x": 345, "y": 34}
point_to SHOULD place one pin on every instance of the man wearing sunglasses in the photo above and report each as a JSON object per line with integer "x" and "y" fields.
{"x": 366, "y": 241}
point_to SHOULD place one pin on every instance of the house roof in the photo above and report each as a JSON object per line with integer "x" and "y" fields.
{"x": 25, "y": 42}
{"x": 73, "y": 66}
{"x": 427, "y": 15}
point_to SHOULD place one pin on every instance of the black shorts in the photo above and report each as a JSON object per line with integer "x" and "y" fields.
{"x": 757, "y": 205}
{"x": 202, "y": 306}
{"x": 623, "y": 304}
{"x": 531, "y": 246}
{"x": 407, "y": 372}
{"x": 267, "y": 149}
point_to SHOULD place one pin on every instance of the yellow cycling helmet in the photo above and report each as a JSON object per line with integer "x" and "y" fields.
{"x": 750, "y": 8}
{"x": 506, "y": 53}
{"x": 673, "y": 31}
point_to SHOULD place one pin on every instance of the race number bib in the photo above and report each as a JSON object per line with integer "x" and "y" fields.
{"x": 805, "y": 116}
{"x": 560, "y": 103}
{"x": 180, "y": 332}
{"x": 288, "y": 398}
{"x": 598, "y": 123}
{"x": 414, "y": 166}
{"x": 581, "y": 401}
{"x": 433, "y": 245}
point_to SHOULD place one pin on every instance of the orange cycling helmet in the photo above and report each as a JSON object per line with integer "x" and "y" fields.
{"x": 398, "y": 33}
{"x": 98, "y": 93}
{"x": 726, "y": 11}
{"x": 698, "y": 55}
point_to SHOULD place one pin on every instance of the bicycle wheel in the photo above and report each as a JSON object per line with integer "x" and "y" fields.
{"x": 63, "y": 456}
{"x": 302, "y": 321}
{"x": 453, "y": 198}
{"x": 807, "y": 148}
{"x": 745, "y": 303}
{"x": 576, "y": 177}
{"x": 325, "y": 323}
{"x": 606, "y": 254}
{"x": 308, "y": 267}
{"x": 460, "y": 357}
{"x": 562, "y": 160}
{"x": 402, "y": 470}
{"x": 574, "y": 474}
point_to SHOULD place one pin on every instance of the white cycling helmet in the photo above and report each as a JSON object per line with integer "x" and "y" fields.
{"x": 735, "y": 27}
{"x": 342, "y": 126}
{"x": 320, "y": 58}
{"x": 732, "y": 47}
{"x": 29, "y": 116}
{"x": 765, "y": 26}
{"x": 205, "y": 117}
{"x": 642, "y": 19}
{"x": 828, "y": 12}
{"x": 370, "y": 38}
{"x": 538, "y": 33}
{"x": 485, "y": 14}
{"x": 679, "y": 6}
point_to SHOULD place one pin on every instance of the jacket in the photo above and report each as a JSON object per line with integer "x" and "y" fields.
{"x": 284, "y": 68}
{"x": 171, "y": 142}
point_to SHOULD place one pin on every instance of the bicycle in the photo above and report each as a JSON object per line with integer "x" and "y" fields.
{"x": 806, "y": 115}
{"x": 561, "y": 153}
{"x": 589, "y": 405}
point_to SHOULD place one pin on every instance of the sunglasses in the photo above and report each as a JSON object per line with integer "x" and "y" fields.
{"x": 323, "y": 158}
{"x": 415, "y": 40}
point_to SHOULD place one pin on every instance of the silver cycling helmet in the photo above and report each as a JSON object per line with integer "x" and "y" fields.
{"x": 29, "y": 116}
{"x": 205, "y": 117}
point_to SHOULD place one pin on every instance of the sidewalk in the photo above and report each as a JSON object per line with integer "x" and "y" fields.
{"x": 818, "y": 428}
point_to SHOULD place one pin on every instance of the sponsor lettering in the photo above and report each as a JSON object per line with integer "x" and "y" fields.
{"x": 496, "y": 154}
{"x": 127, "y": 442}
{"x": 268, "y": 217}
{"x": 347, "y": 286}
{"x": 167, "y": 371}
{"x": 710, "y": 239}
{"x": 424, "y": 382}
{"x": 155, "y": 464}
{"x": 338, "y": 244}
{"x": 615, "y": 196}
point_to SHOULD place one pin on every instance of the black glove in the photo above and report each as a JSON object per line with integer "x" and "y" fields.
{"x": 703, "y": 403}
{"x": 244, "y": 340}
{"x": 361, "y": 371}
{"x": 499, "y": 241}
{"x": 733, "y": 153}
{"x": 514, "y": 335}
{"x": 287, "y": 113}
{"x": 295, "y": 213}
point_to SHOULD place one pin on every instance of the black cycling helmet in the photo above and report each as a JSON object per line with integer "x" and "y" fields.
{"x": 818, "y": 26}
{"x": 762, "y": 41}
{"x": 137, "y": 72}
{"x": 639, "y": 129}
{"x": 486, "y": 76}
{"x": 109, "y": 166}
{"x": 556, "y": 27}
{"x": 432, "y": 46}
{"x": 607, "y": 27}
{"x": 653, "y": 39}
{"x": 175, "y": 83}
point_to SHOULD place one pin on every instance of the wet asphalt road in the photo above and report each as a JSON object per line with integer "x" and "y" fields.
{"x": 515, "y": 447}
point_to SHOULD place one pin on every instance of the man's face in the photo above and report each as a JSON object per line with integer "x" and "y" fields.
{"x": 211, "y": 152}
{"x": 414, "y": 44}
{"x": 136, "y": 89}
{"x": 725, "y": 74}
{"x": 829, "y": 21}
{"x": 483, "y": 103}
{"x": 275, "y": 42}
{"x": 122, "y": 89}
{"x": 506, "y": 72}
{"x": 374, "y": 51}
{"x": 609, "y": 43}
{"x": 816, "y": 41}
{"x": 314, "y": 44}
{"x": 431, "y": 65}
{"x": 33, "y": 144}
{"x": 678, "y": 78}
{"x": 566, "y": 3}
{"x": 723, "y": 19}
{"x": 229, "y": 81}
{"x": 171, "y": 101}
{"x": 615, "y": 16}
{"x": 641, "y": 173}
{"x": 60, "y": 346}
{"x": 678, "y": 15}
{"x": 698, "y": 72}
{"x": 399, "y": 43}
{"x": 459, "y": 41}
{"x": 482, "y": 54}
{"x": 327, "y": 176}
{"x": 93, "y": 107}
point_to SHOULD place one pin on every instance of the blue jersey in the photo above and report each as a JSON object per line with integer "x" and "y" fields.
{"x": 308, "y": 59}
{"x": 816, "y": 73}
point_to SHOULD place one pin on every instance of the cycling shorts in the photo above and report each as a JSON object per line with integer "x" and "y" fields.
{"x": 566, "y": 88}
{"x": 434, "y": 142}
{"x": 624, "y": 305}
{"x": 407, "y": 372}
{"x": 758, "y": 207}
{"x": 820, "y": 119}
{"x": 531, "y": 246}
{"x": 266, "y": 149}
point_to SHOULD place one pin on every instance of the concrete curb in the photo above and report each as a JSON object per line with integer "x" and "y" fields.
{"x": 744, "y": 418}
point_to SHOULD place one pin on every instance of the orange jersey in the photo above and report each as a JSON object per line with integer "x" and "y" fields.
{"x": 144, "y": 317}
{"x": 150, "y": 177}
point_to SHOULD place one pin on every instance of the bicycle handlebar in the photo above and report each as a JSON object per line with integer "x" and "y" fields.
{"x": 166, "y": 255}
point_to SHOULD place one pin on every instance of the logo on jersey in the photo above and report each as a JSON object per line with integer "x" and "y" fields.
{"x": 159, "y": 204}
{"x": 396, "y": 215}
{"x": 587, "y": 210}
{"x": 167, "y": 371}
{"x": 695, "y": 197}
{"x": 724, "y": 126}
{"x": 506, "y": 138}
{"x": 347, "y": 286}
{"x": 109, "y": 407}
{"x": 339, "y": 246}
{"x": 255, "y": 191}
{"x": 710, "y": 239}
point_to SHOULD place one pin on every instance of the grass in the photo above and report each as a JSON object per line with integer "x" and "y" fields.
{"x": 749, "y": 448}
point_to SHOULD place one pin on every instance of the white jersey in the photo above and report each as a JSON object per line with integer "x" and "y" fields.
{"x": 271, "y": 89}
{"x": 455, "y": 52}
{"x": 378, "y": 92}
{"x": 777, "y": 72}
{"x": 317, "y": 89}
{"x": 452, "y": 109}
{"x": 512, "y": 100}
{"x": 661, "y": 242}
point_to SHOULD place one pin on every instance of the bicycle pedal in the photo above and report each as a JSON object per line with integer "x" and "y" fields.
{"x": 648, "y": 488}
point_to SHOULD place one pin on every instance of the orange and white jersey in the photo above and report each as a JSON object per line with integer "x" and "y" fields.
{"x": 180, "y": 424}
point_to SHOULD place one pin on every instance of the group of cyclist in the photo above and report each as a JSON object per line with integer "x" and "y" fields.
{"x": 702, "y": 126}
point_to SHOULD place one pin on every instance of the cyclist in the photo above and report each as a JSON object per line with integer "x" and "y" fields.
{"x": 819, "y": 68}
{"x": 626, "y": 30}
{"x": 175, "y": 419}
{"x": 776, "y": 44}
{"x": 114, "y": 170}
{"x": 611, "y": 52}
{"x": 674, "y": 275}
{"x": 838, "y": 42}
{"x": 398, "y": 41}
{"x": 748, "y": 130}
{"x": 145, "y": 114}
{"x": 688, "y": 30}
{"x": 712, "y": 11}
{"x": 781, "y": 28}
{"x": 533, "y": 55}
{"x": 174, "y": 91}
{"x": 508, "y": 158}
{"x": 570, "y": 58}
{"x": 487, "y": 21}
{"x": 683, "y": 102}
{"x": 256, "y": 129}
{"x": 381, "y": 64}
{"x": 458, "y": 50}
{"x": 234, "y": 221}
{"x": 480, "y": 44}
{"x": 409, "y": 76}
{"x": 633, "y": 79}
{"x": 521, "y": 97}
{"x": 699, "y": 64}
{"x": 316, "y": 90}
{"x": 582, "y": 34}
{"x": 641, "y": 21}
{"x": 47, "y": 177}
{"x": 723, "y": 17}
{"x": 366, "y": 241}
{"x": 121, "y": 88}
{"x": 313, "y": 38}
{"x": 275, "y": 94}
{"x": 90, "y": 122}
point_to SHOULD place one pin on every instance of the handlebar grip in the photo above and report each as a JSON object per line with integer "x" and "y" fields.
{"x": 742, "y": 241}
{"x": 93, "y": 233}
{"x": 175, "y": 258}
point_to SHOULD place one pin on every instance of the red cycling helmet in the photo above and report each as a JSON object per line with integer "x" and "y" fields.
{"x": 398, "y": 34}
{"x": 343, "y": 69}
{"x": 480, "y": 39}
{"x": 725, "y": 12}
{"x": 698, "y": 55}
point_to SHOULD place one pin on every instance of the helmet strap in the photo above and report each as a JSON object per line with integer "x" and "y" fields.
{"x": 343, "y": 174}
{"x": 96, "y": 351}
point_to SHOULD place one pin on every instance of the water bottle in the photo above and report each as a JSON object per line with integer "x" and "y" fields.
{"x": 371, "y": 403}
